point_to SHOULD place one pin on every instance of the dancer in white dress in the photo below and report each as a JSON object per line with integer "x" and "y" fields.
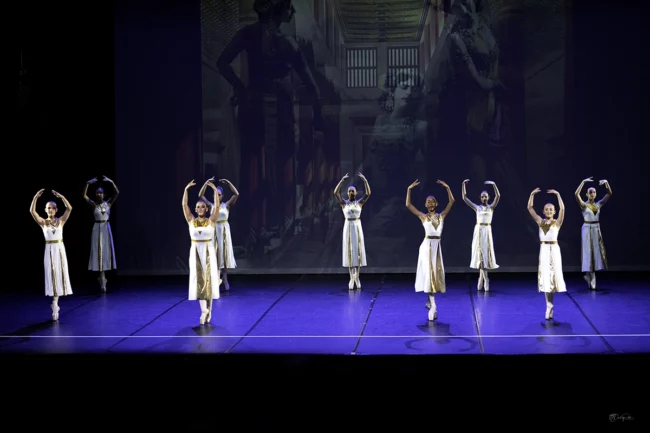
{"x": 354, "y": 246}
{"x": 483, "y": 257}
{"x": 430, "y": 274}
{"x": 222, "y": 237}
{"x": 57, "y": 279}
{"x": 204, "y": 269}
{"x": 594, "y": 257}
{"x": 550, "y": 278}
{"x": 102, "y": 250}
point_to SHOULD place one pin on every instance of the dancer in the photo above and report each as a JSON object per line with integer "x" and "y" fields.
{"x": 354, "y": 246}
{"x": 222, "y": 237}
{"x": 102, "y": 250}
{"x": 204, "y": 271}
{"x": 550, "y": 278}
{"x": 430, "y": 275}
{"x": 593, "y": 250}
{"x": 483, "y": 257}
{"x": 57, "y": 279}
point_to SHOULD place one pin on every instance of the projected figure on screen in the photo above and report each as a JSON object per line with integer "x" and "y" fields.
{"x": 430, "y": 273}
{"x": 222, "y": 236}
{"x": 550, "y": 278}
{"x": 469, "y": 103}
{"x": 593, "y": 249}
{"x": 483, "y": 257}
{"x": 266, "y": 116}
{"x": 204, "y": 268}
{"x": 354, "y": 245}
{"x": 57, "y": 279}
{"x": 102, "y": 250}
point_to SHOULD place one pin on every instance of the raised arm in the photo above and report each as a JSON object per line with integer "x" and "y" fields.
{"x": 607, "y": 196}
{"x": 409, "y": 205}
{"x": 366, "y": 185}
{"x": 337, "y": 190}
{"x": 186, "y": 207}
{"x": 451, "y": 198}
{"x": 497, "y": 194}
{"x": 579, "y": 191}
{"x": 217, "y": 202}
{"x": 560, "y": 215}
{"x": 68, "y": 207}
{"x": 202, "y": 194}
{"x": 32, "y": 209}
{"x": 86, "y": 198}
{"x": 235, "y": 193}
{"x": 531, "y": 210}
{"x": 116, "y": 191}
{"x": 463, "y": 194}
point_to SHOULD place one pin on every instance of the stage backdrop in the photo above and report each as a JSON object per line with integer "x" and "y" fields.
{"x": 283, "y": 108}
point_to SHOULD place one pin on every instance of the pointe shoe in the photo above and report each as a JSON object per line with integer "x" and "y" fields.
{"x": 226, "y": 286}
{"x": 207, "y": 319}
{"x": 55, "y": 312}
{"x": 588, "y": 280}
{"x": 351, "y": 284}
{"x": 433, "y": 314}
{"x": 427, "y": 305}
{"x": 357, "y": 281}
{"x": 593, "y": 281}
{"x": 486, "y": 285}
{"x": 480, "y": 282}
{"x": 204, "y": 315}
{"x": 549, "y": 312}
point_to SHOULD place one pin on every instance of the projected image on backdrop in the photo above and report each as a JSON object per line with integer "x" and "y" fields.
{"x": 462, "y": 89}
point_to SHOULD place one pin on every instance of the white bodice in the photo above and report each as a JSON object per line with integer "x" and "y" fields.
{"x": 201, "y": 231}
{"x": 484, "y": 214}
{"x": 433, "y": 225}
{"x": 224, "y": 213}
{"x": 591, "y": 212}
{"x": 53, "y": 232}
{"x": 548, "y": 233}
{"x": 352, "y": 210}
{"x": 102, "y": 212}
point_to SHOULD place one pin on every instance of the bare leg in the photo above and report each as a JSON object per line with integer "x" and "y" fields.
{"x": 102, "y": 281}
{"x": 209, "y": 316}
{"x": 433, "y": 310}
{"x": 549, "y": 305}
{"x": 204, "y": 311}
{"x": 55, "y": 308}
{"x": 486, "y": 280}
{"x": 357, "y": 271}
{"x": 224, "y": 278}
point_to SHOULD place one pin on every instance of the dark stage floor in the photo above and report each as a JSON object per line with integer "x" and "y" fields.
{"x": 319, "y": 315}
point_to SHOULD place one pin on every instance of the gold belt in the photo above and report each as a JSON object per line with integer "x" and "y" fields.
{"x": 548, "y": 242}
{"x": 54, "y": 242}
{"x": 97, "y": 221}
{"x": 222, "y": 221}
{"x": 352, "y": 219}
{"x": 591, "y": 222}
{"x": 482, "y": 224}
{"x": 201, "y": 240}
{"x": 433, "y": 237}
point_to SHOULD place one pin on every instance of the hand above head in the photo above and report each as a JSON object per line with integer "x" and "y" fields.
{"x": 442, "y": 183}
{"x": 589, "y": 179}
{"x": 93, "y": 180}
{"x": 552, "y": 191}
{"x": 346, "y": 176}
{"x": 488, "y": 182}
{"x": 414, "y": 184}
{"x": 40, "y": 192}
{"x": 465, "y": 181}
{"x": 602, "y": 182}
{"x": 225, "y": 181}
{"x": 106, "y": 179}
{"x": 535, "y": 191}
{"x": 361, "y": 176}
{"x": 56, "y": 194}
{"x": 210, "y": 180}
{"x": 191, "y": 184}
